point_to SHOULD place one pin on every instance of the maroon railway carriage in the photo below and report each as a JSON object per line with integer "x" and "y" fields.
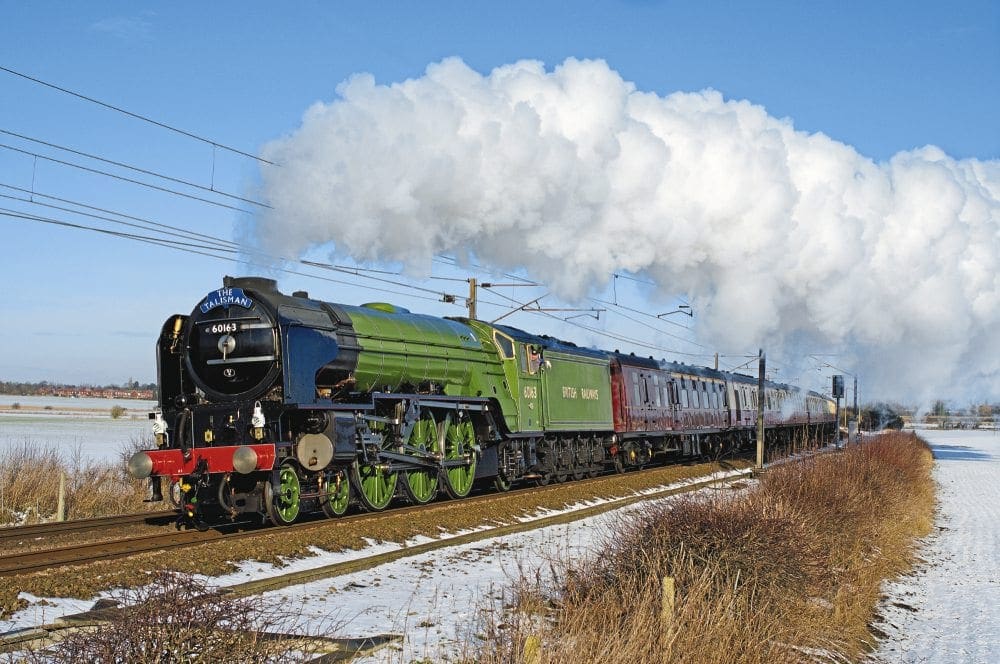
{"x": 664, "y": 407}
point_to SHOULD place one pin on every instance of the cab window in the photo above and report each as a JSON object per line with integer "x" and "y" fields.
{"x": 533, "y": 359}
{"x": 505, "y": 344}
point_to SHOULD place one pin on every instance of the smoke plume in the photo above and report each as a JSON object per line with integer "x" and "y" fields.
{"x": 779, "y": 237}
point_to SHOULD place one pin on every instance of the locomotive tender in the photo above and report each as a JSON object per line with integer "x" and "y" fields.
{"x": 271, "y": 405}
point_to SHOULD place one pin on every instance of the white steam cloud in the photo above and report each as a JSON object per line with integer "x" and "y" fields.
{"x": 780, "y": 238}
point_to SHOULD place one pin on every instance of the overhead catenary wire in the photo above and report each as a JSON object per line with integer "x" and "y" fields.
{"x": 130, "y": 167}
{"x": 643, "y": 313}
{"x": 200, "y": 249}
{"x": 227, "y": 245}
{"x": 35, "y": 193}
{"x": 183, "y": 132}
{"x": 125, "y": 179}
{"x": 170, "y": 230}
{"x": 193, "y": 249}
{"x": 604, "y": 333}
{"x": 618, "y": 275}
{"x": 220, "y": 245}
{"x": 656, "y": 329}
{"x": 231, "y": 248}
{"x": 441, "y": 258}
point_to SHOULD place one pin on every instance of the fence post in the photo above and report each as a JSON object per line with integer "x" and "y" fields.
{"x": 532, "y": 650}
{"x": 61, "y": 505}
{"x": 667, "y": 609}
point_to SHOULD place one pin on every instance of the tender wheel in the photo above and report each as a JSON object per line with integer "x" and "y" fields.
{"x": 459, "y": 444}
{"x": 374, "y": 485}
{"x": 421, "y": 486}
{"x": 336, "y": 494}
{"x": 281, "y": 497}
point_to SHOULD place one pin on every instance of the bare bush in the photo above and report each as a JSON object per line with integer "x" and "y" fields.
{"x": 179, "y": 619}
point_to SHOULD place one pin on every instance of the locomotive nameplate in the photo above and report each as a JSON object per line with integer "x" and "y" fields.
{"x": 225, "y": 297}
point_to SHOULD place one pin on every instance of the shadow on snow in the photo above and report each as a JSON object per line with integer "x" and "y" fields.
{"x": 959, "y": 453}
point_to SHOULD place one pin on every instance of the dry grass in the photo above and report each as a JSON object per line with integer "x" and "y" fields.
{"x": 178, "y": 618}
{"x": 29, "y": 485}
{"x": 788, "y": 572}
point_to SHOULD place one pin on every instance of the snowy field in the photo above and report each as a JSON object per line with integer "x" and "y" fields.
{"x": 949, "y": 611}
{"x": 433, "y": 599}
{"x": 73, "y": 426}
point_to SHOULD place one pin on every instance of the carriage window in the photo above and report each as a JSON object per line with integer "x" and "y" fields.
{"x": 656, "y": 390}
{"x": 695, "y": 400}
{"x": 505, "y": 344}
{"x": 684, "y": 397}
{"x": 635, "y": 389}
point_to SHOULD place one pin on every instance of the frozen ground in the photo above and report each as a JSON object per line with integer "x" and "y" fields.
{"x": 73, "y": 425}
{"x": 949, "y": 611}
{"x": 440, "y": 590}
{"x": 433, "y": 599}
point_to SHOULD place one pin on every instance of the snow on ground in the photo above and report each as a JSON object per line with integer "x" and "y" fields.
{"x": 46, "y": 610}
{"x": 949, "y": 610}
{"x": 434, "y": 598}
{"x": 73, "y": 426}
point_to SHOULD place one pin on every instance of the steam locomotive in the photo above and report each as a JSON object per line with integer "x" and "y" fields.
{"x": 273, "y": 405}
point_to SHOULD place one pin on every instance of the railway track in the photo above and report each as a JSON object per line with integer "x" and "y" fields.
{"x": 18, "y": 534}
{"x": 83, "y": 553}
{"x": 77, "y": 554}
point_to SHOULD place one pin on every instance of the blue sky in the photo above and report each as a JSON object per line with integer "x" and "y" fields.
{"x": 81, "y": 307}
